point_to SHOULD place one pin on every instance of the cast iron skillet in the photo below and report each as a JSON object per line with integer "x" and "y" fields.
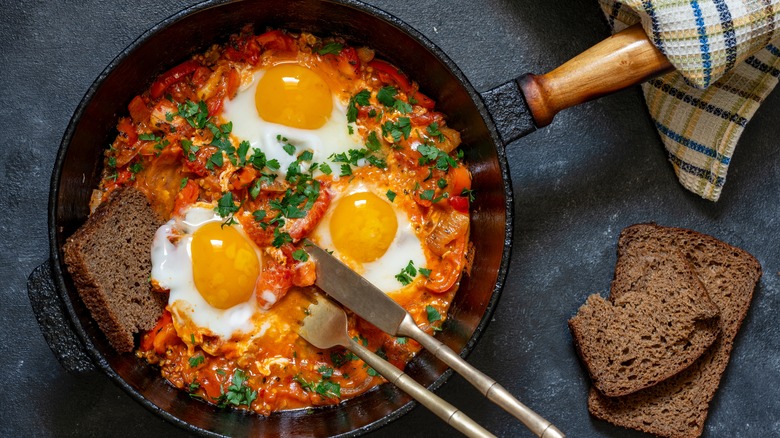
{"x": 76, "y": 340}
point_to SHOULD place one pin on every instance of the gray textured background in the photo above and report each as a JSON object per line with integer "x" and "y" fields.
{"x": 577, "y": 183}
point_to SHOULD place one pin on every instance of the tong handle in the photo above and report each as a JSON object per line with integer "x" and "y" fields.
{"x": 447, "y": 412}
{"x": 487, "y": 386}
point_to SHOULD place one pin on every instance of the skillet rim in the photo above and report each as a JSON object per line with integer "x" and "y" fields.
{"x": 56, "y": 262}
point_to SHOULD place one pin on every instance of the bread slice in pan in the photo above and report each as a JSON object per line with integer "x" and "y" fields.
{"x": 678, "y": 406}
{"x": 110, "y": 263}
{"x": 654, "y": 330}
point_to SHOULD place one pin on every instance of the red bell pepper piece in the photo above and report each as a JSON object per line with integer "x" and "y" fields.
{"x": 277, "y": 40}
{"x": 126, "y": 127}
{"x": 148, "y": 341}
{"x": 388, "y": 73}
{"x": 186, "y": 197}
{"x": 232, "y": 84}
{"x": 214, "y": 105}
{"x": 171, "y": 77}
{"x": 459, "y": 203}
{"x": 139, "y": 112}
{"x": 422, "y": 100}
{"x": 349, "y": 62}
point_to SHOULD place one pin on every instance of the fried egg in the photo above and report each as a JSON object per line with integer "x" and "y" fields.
{"x": 291, "y": 104}
{"x": 370, "y": 234}
{"x": 211, "y": 271}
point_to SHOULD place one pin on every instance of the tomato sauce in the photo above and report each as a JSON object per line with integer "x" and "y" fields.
{"x": 173, "y": 147}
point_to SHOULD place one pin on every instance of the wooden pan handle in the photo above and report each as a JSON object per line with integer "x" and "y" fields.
{"x": 626, "y": 58}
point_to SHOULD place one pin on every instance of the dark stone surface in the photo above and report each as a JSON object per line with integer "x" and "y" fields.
{"x": 578, "y": 182}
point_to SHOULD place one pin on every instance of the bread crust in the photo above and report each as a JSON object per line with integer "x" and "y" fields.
{"x": 656, "y": 329}
{"x": 678, "y": 406}
{"x": 108, "y": 259}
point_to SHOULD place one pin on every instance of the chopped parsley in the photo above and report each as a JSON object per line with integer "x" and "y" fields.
{"x": 243, "y": 149}
{"x": 361, "y": 339}
{"x": 325, "y": 168}
{"x": 196, "y": 114}
{"x": 259, "y": 215}
{"x": 183, "y": 182}
{"x": 433, "y": 131}
{"x": 407, "y": 274}
{"x": 280, "y": 238}
{"x": 222, "y": 141}
{"x": 362, "y": 99}
{"x": 372, "y": 142}
{"x": 433, "y": 314}
{"x": 324, "y": 387}
{"x": 289, "y": 148}
{"x": 327, "y": 372}
{"x": 238, "y": 393}
{"x": 386, "y": 96}
{"x": 136, "y": 167}
{"x": 398, "y": 129}
{"x": 189, "y": 149}
{"x": 440, "y": 159}
{"x": 429, "y": 194}
{"x": 469, "y": 194}
{"x": 196, "y": 360}
{"x": 391, "y": 195}
{"x": 258, "y": 160}
{"x": 254, "y": 190}
{"x": 425, "y": 272}
{"x": 159, "y": 142}
{"x": 300, "y": 255}
{"x": 216, "y": 160}
{"x": 330, "y": 49}
{"x": 377, "y": 162}
{"x": 226, "y": 208}
{"x": 192, "y": 388}
{"x": 402, "y": 107}
{"x": 353, "y": 156}
{"x": 340, "y": 358}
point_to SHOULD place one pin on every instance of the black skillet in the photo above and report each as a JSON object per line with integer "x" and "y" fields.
{"x": 487, "y": 122}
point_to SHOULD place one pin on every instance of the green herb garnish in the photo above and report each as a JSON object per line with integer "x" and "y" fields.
{"x": 330, "y": 49}
{"x": 196, "y": 360}
{"x": 433, "y": 314}
{"x": 407, "y": 274}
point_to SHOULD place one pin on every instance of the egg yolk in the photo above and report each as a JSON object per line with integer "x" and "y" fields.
{"x": 225, "y": 265}
{"x": 363, "y": 226}
{"x": 294, "y": 96}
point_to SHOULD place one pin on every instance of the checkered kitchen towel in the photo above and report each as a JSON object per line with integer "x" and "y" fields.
{"x": 727, "y": 63}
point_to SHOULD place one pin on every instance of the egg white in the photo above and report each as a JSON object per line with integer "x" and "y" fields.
{"x": 381, "y": 272}
{"x": 332, "y": 138}
{"x": 172, "y": 270}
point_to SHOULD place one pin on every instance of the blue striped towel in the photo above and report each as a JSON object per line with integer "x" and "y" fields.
{"x": 727, "y": 60}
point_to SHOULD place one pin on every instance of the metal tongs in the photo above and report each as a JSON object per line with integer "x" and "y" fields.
{"x": 370, "y": 303}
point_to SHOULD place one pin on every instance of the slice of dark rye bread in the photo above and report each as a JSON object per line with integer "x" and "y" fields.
{"x": 652, "y": 331}
{"x": 678, "y": 406}
{"x": 109, "y": 261}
